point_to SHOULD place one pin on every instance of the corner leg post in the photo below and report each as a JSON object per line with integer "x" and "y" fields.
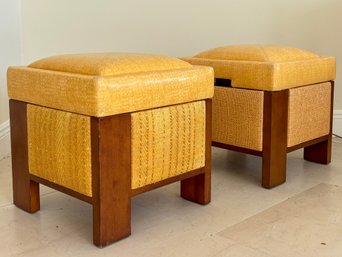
{"x": 198, "y": 188}
{"x": 111, "y": 178}
{"x": 274, "y": 138}
{"x": 25, "y": 191}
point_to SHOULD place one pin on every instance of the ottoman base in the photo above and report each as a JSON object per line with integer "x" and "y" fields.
{"x": 276, "y": 128}
{"x": 274, "y": 166}
{"x": 111, "y": 174}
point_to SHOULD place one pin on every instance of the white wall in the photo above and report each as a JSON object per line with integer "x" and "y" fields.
{"x": 179, "y": 27}
{"x": 10, "y": 47}
{"x": 39, "y": 28}
{"x": 10, "y": 54}
{"x": 337, "y": 128}
{"x": 174, "y": 27}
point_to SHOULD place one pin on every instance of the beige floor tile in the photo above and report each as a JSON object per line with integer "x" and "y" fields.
{"x": 309, "y": 224}
{"x": 240, "y": 250}
{"x": 6, "y": 183}
{"x": 163, "y": 224}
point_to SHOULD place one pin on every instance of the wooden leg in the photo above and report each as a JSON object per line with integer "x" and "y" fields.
{"x": 25, "y": 191}
{"x": 274, "y": 138}
{"x": 111, "y": 168}
{"x": 198, "y": 189}
{"x": 319, "y": 153}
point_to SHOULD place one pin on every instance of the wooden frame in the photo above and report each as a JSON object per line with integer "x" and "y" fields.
{"x": 111, "y": 173}
{"x": 275, "y": 140}
{"x": 25, "y": 190}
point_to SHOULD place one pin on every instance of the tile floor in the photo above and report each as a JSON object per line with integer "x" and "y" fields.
{"x": 302, "y": 217}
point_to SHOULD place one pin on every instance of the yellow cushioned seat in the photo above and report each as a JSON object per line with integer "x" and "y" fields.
{"x": 267, "y": 67}
{"x": 105, "y": 84}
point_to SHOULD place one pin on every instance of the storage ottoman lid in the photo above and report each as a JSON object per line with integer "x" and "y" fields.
{"x": 103, "y": 84}
{"x": 267, "y": 67}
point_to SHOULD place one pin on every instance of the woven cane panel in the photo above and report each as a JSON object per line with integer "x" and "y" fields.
{"x": 237, "y": 117}
{"x": 309, "y": 113}
{"x": 59, "y": 148}
{"x": 167, "y": 142}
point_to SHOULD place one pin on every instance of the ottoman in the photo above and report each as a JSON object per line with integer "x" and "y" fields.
{"x": 270, "y": 100}
{"x": 106, "y": 127}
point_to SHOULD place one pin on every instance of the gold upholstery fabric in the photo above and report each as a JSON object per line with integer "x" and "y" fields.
{"x": 238, "y": 117}
{"x": 267, "y": 67}
{"x": 109, "y": 64}
{"x": 167, "y": 142}
{"x": 309, "y": 113}
{"x": 59, "y": 147}
{"x": 107, "y": 84}
{"x": 257, "y": 53}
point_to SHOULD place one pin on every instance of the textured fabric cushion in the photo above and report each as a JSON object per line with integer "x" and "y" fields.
{"x": 109, "y": 64}
{"x": 109, "y": 83}
{"x": 267, "y": 67}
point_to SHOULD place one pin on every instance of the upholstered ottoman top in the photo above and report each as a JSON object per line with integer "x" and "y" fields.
{"x": 267, "y": 67}
{"x": 105, "y": 84}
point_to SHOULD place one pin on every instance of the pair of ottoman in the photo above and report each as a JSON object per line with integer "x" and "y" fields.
{"x": 106, "y": 127}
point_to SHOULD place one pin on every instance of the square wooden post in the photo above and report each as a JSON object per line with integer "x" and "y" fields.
{"x": 25, "y": 191}
{"x": 111, "y": 178}
{"x": 198, "y": 188}
{"x": 274, "y": 138}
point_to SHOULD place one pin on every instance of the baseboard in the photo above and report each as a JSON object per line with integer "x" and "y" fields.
{"x": 5, "y": 144}
{"x": 337, "y": 126}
